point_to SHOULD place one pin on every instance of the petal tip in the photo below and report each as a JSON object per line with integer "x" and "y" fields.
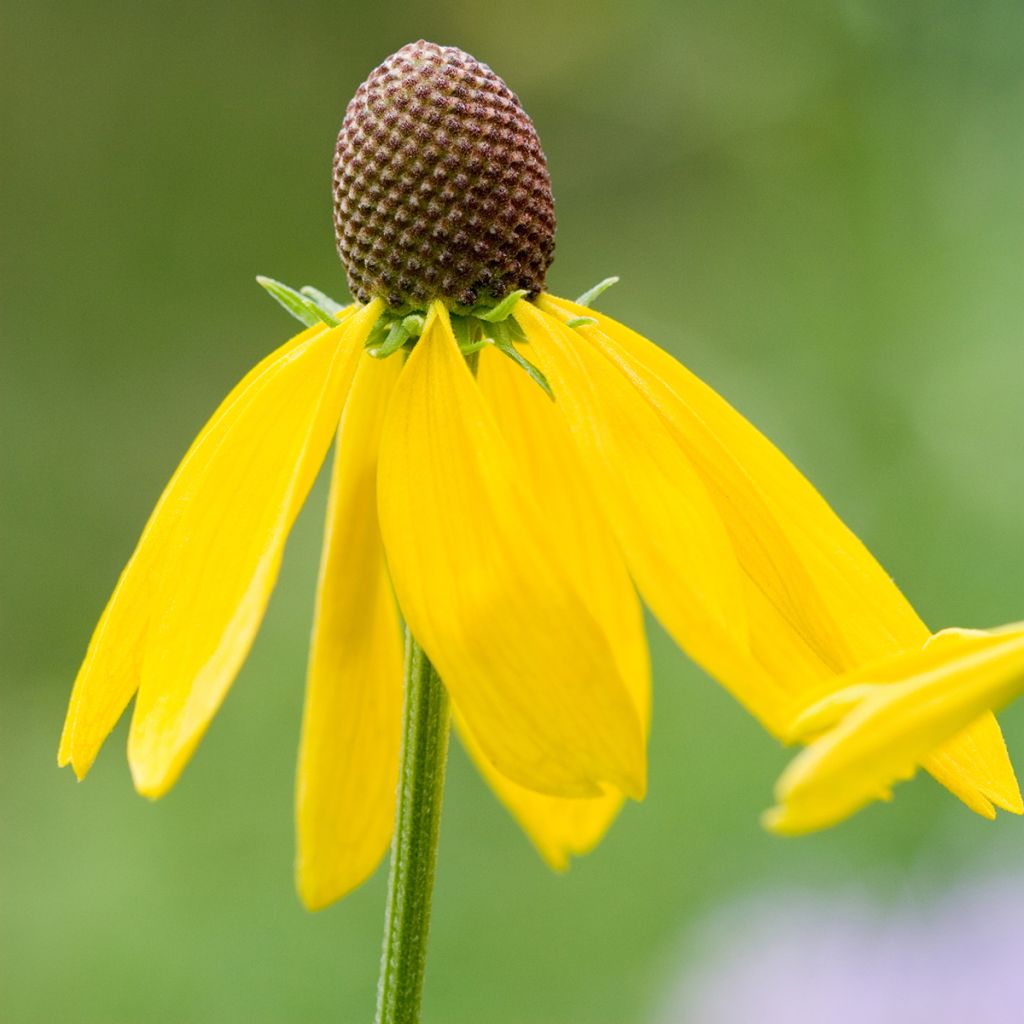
{"x": 80, "y": 765}
{"x": 311, "y": 895}
{"x": 318, "y": 888}
{"x": 559, "y": 862}
{"x": 988, "y": 812}
{"x": 636, "y": 786}
{"x": 781, "y": 821}
{"x": 149, "y": 781}
{"x": 629, "y": 778}
{"x": 1010, "y": 802}
{"x": 1006, "y": 797}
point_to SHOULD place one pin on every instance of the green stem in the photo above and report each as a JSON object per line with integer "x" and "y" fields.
{"x": 414, "y": 847}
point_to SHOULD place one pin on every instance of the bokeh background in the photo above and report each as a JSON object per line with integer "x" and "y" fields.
{"x": 816, "y": 205}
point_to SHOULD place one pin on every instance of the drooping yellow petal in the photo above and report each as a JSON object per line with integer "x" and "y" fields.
{"x": 222, "y": 553}
{"x": 109, "y": 675}
{"x": 352, "y": 722}
{"x": 793, "y": 635}
{"x": 546, "y": 456}
{"x": 488, "y": 592}
{"x": 975, "y": 767}
{"x": 818, "y": 603}
{"x": 667, "y": 527}
{"x": 558, "y": 827}
{"x": 918, "y": 701}
{"x": 539, "y": 442}
{"x": 876, "y": 619}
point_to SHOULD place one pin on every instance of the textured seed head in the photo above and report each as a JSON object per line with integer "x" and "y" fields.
{"x": 441, "y": 189}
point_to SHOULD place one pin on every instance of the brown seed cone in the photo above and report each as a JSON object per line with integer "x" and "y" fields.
{"x": 441, "y": 189}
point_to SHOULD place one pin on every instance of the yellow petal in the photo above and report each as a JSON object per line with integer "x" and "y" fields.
{"x": 545, "y": 455}
{"x": 919, "y": 702}
{"x": 558, "y": 827}
{"x": 975, "y": 766}
{"x": 817, "y": 602}
{"x": 964, "y": 765}
{"x": 824, "y": 714}
{"x": 876, "y": 619}
{"x": 109, "y": 675}
{"x": 221, "y": 554}
{"x": 539, "y": 441}
{"x": 790, "y": 626}
{"x": 352, "y": 723}
{"x": 486, "y": 590}
{"x": 667, "y": 527}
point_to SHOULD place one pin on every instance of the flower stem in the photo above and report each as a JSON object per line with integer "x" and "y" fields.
{"x": 414, "y": 847}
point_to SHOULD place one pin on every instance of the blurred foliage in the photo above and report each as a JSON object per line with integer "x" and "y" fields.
{"x": 816, "y": 205}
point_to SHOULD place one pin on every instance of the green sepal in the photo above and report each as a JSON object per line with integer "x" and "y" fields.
{"x": 414, "y": 324}
{"x": 499, "y": 333}
{"x": 322, "y": 301}
{"x": 466, "y": 331}
{"x": 580, "y": 321}
{"x": 588, "y": 298}
{"x": 515, "y": 332}
{"x": 377, "y": 331}
{"x": 303, "y": 309}
{"x": 392, "y": 332}
{"x": 508, "y": 349}
{"x": 396, "y": 338}
{"x": 502, "y": 310}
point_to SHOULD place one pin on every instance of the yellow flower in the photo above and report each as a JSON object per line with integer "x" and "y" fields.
{"x": 513, "y": 527}
{"x": 515, "y": 515}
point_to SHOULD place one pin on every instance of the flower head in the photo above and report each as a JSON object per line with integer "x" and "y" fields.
{"x": 441, "y": 189}
{"x": 513, "y": 472}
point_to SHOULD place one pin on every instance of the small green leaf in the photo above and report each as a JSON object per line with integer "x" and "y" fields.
{"x": 524, "y": 364}
{"x": 516, "y": 333}
{"x": 498, "y": 333}
{"x": 463, "y": 329}
{"x": 396, "y": 338}
{"x": 588, "y": 298}
{"x": 324, "y": 302}
{"x": 413, "y": 323}
{"x": 502, "y": 310}
{"x": 504, "y": 332}
{"x": 377, "y": 331}
{"x": 580, "y": 321}
{"x": 297, "y": 304}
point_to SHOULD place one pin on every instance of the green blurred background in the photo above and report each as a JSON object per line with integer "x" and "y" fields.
{"x": 816, "y": 205}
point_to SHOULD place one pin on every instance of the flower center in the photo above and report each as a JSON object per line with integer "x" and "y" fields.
{"x": 441, "y": 189}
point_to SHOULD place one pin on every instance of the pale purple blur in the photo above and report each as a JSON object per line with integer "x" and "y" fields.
{"x": 797, "y": 958}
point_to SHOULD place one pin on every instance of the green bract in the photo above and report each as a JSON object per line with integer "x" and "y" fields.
{"x": 393, "y": 332}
